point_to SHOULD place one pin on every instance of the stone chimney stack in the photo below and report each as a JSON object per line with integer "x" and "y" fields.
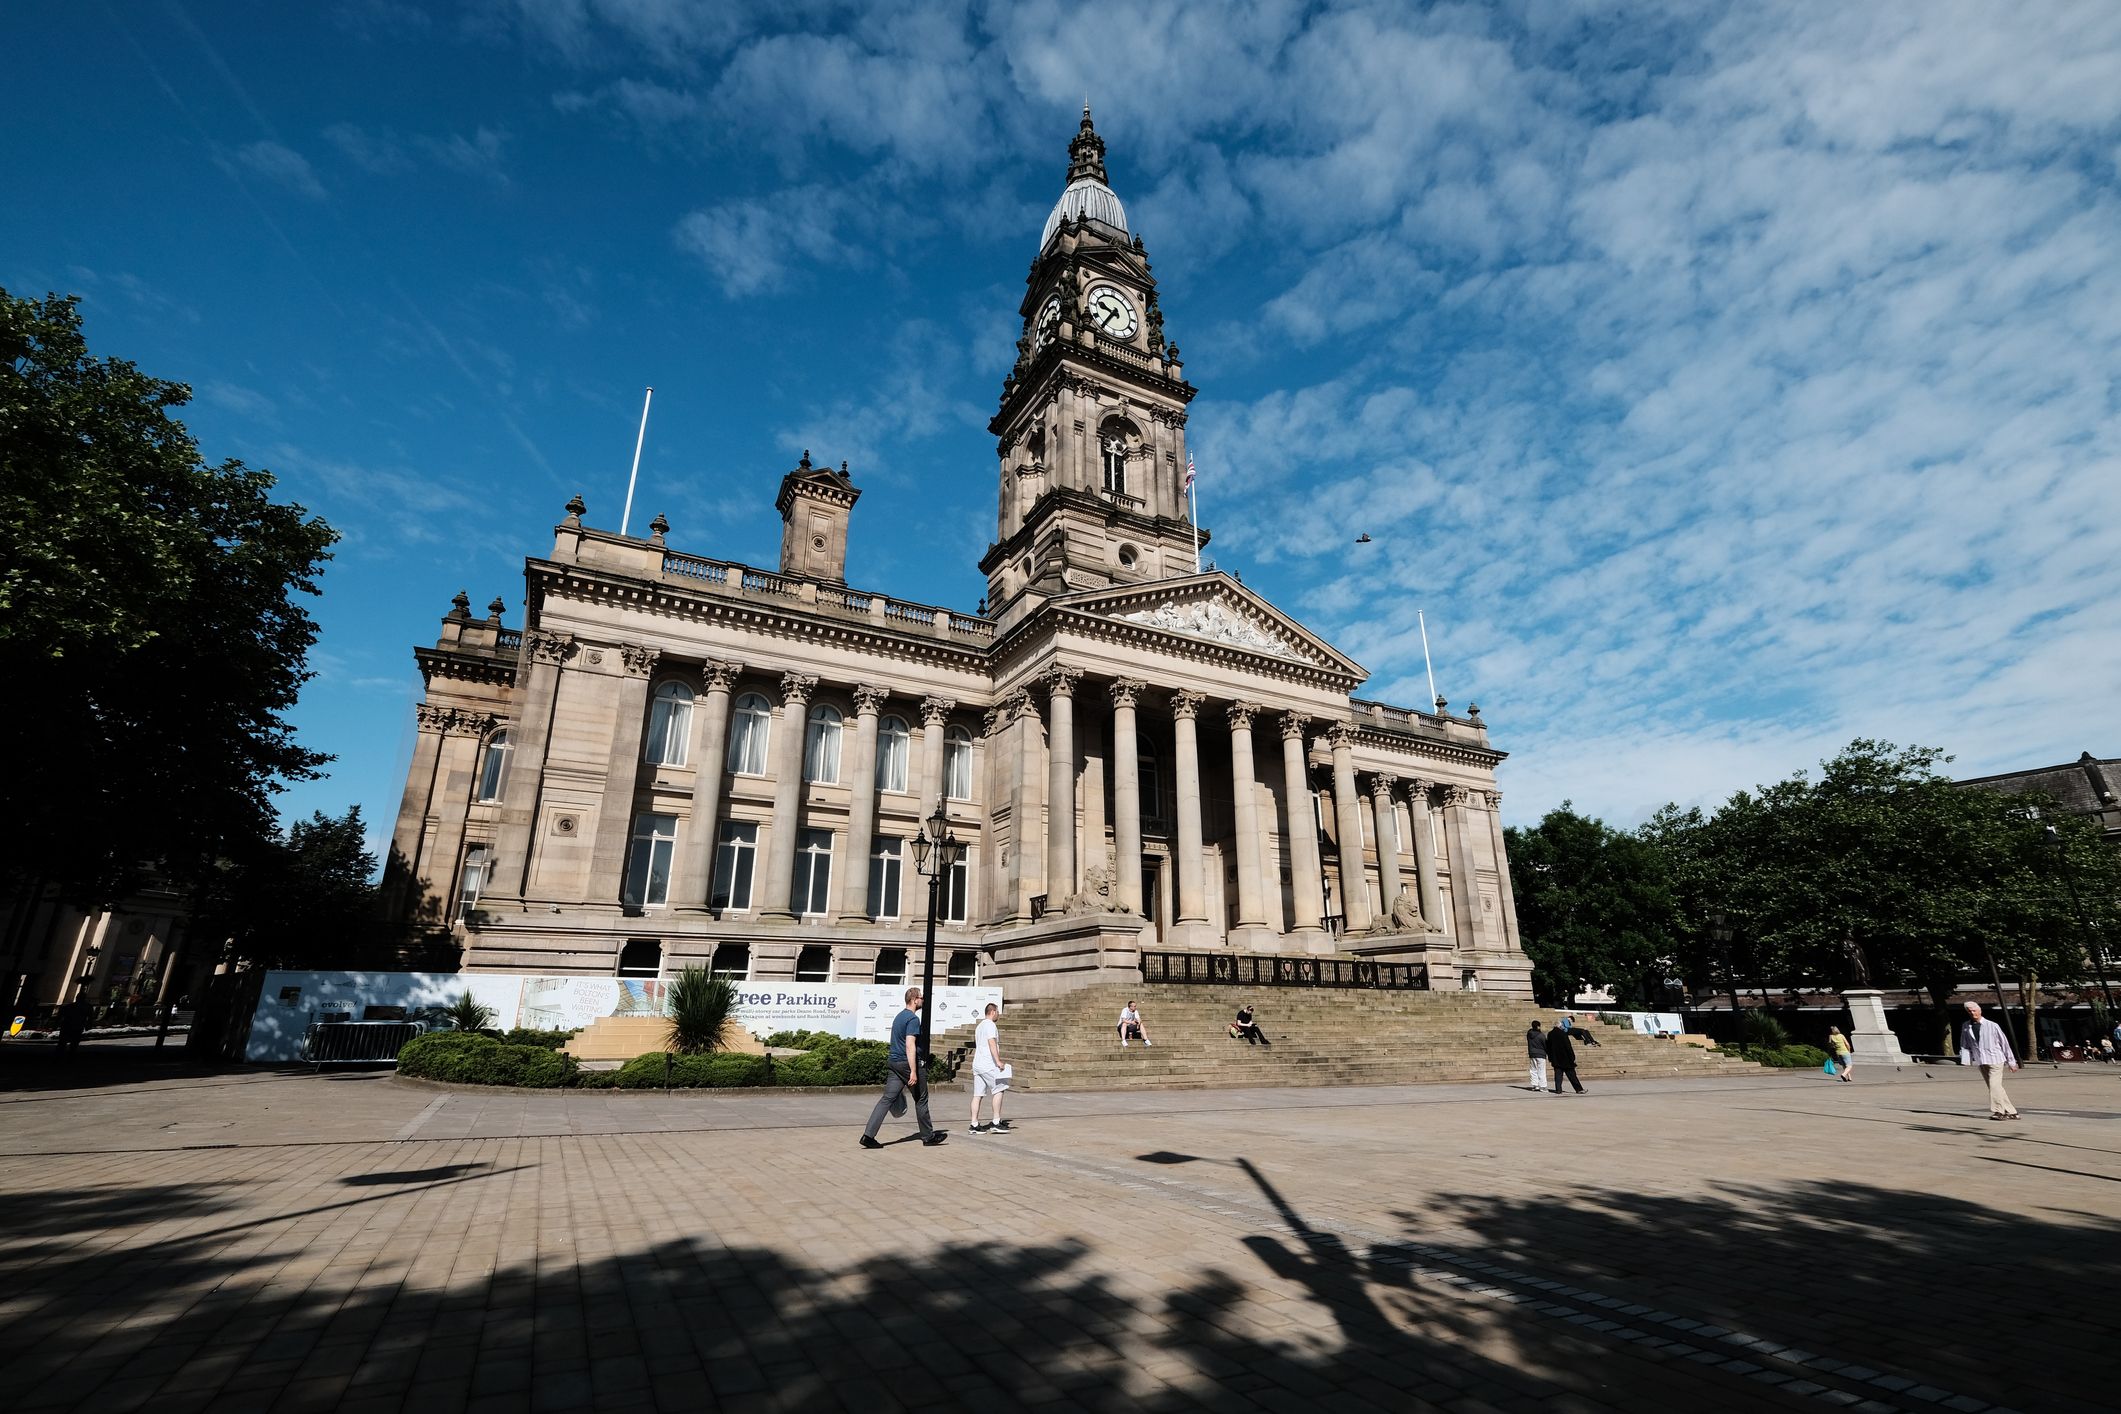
{"x": 814, "y": 503}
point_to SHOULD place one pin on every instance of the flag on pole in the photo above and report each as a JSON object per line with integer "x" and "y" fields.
{"x": 1189, "y": 471}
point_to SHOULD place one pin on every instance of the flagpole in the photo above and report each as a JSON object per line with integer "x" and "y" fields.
{"x": 1430, "y": 668}
{"x": 1193, "y": 509}
{"x": 635, "y": 474}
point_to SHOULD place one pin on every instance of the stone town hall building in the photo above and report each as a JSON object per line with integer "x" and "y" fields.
{"x": 683, "y": 760}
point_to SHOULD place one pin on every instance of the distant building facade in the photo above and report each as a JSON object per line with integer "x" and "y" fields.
{"x": 686, "y": 760}
{"x": 2085, "y": 786}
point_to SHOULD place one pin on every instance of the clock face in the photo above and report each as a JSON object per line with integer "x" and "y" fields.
{"x": 1111, "y": 313}
{"x": 1047, "y": 319}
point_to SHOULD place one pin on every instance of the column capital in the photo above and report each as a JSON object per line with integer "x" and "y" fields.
{"x": 1381, "y": 783}
{"x": 1060, "y": 680}
{"x": 1455, "y": 795}
{"x": 638, "y": 662}
{"x": 721, "y": 675}
{"x": 1126, "y": 691}
{"x": 1185, "y": 705}
{"x": 1295, "y": 726}
{"x": 1242, "y": 713}
{"x": 545, "y": 647}
{"x": 432, "y": 718}
{"x": 868, "y": 700}
{"x": 796, "y": 688}
{"x": 935, "y": 710}
{"x": 1342, "y": 735}
{"x": 1020, "y": 706}
{"x": 1494, "y": 798}
{"x": 1418, "y": 788}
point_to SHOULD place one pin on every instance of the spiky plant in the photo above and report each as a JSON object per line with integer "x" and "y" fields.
{"x": 468, "y": 1015}
{"x": 700, "y": 1007}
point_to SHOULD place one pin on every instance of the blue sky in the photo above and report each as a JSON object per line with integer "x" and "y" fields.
{"x": 1722, "y": 386}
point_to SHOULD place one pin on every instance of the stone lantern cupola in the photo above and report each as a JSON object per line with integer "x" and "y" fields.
{"x": 814, "y": 503}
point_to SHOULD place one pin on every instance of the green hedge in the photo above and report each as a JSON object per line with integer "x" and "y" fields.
{"x": 525, "y": 1036}
{"x": 1790, "y": 1057}
{"x": 473, "y": 1058}
{"x": 802, "y": 1040}
{"x": 718, "y": 1072}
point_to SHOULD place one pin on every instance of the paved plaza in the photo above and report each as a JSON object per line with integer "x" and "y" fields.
{"x": 264, "y": 1240}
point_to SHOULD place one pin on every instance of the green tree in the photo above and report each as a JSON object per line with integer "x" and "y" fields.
{"x": 1595, "y": 907}
{"x": 151, "y": 634}
{"x": 300, "y": 900}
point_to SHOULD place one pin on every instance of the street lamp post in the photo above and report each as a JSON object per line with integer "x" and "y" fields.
{"x": 936, "y": 852}
{"x": 2091, "y": 939}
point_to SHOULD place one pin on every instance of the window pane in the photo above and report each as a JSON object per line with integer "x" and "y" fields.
{"x": 495, "y": 768}
{"x": 732, "y": 960}
{"x": 814, "y": 964}
{"x": 648, "y": 862}
{"x": 821, "y": 756}
{"x": 964, "y": 968}
{"x": 812, "y": 890}
{"x": 885, "y": 866}
{"x": 751, "y": 727}
{"x": 669, "y": 725}
{"x": 891, "y": 966}
{"x": 893, "y": 747}
{"x": 955, "y": 891}
{"x": 733, "y": 860}
{"x": 957, "y": 764}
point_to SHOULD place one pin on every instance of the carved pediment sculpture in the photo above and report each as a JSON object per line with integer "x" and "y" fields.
{"x": 1213, "y": 620}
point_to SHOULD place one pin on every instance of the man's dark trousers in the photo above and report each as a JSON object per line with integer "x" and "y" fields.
{"x": 1565, "y": 1070}
{"x": 897, "y": 1083}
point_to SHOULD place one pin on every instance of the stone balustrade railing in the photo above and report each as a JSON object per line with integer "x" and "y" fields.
{"x": 837, "y": 599}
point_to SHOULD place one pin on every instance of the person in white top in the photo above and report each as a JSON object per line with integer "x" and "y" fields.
{"x": 1982, "y": 1043}
{"x": 1130, "y": 1026}
{"x": 989, "y": 1075}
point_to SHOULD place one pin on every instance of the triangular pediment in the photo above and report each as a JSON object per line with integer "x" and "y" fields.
{"x": 1215, "y": 609}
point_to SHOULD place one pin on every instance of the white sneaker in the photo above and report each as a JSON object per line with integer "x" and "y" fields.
{"x": 1147, "y": 1042}
{"x": 1123, "y": 1045}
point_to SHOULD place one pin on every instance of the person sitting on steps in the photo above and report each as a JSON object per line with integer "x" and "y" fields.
{"x": 1248, "y": 1029}
{"x": 1130, "y": 1026}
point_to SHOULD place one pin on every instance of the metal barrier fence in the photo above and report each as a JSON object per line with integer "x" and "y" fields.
{"x": 357, "y": 1042}
{"x": 1263, "y": 970}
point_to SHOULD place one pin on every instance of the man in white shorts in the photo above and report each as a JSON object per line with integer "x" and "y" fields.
{"x": 989, "y": 1075}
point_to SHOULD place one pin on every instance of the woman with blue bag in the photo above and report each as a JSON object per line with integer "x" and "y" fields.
{"x": 1840, "y": 1059}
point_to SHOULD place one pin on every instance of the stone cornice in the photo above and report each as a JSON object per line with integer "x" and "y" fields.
{"x": 1370, "y": 743}
{"x": 1051, "y": 359}
{"x": 457, "y": 665}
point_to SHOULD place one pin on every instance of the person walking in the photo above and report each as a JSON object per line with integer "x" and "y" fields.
{"x": 904, "y": 1061}
{"x": 1130, "y": 1026}
{"x": 1535, "y": 1048}
{"x": 1982, "y": 1042}
{"x": 1561, "y": 1056}
{"x": 989, "y": 1075}
{"x": 1837, "y": 1049}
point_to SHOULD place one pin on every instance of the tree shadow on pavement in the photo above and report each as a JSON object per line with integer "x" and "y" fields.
{"x": 428, "y": 1310}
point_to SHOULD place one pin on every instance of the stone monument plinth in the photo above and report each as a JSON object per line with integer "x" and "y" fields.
{"x": 1870, "y": 1040}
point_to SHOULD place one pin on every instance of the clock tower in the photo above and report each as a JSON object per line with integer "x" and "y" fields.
{"x": 1092, "y": 424}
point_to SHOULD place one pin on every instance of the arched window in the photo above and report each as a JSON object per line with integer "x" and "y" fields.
{"x": 893, "y": 748}
{"x": 821, "y": 750}
{"x": 813, "y": 964}
{"x": 750, "y": 727}
{"x": 669, "y": 725}
{"x": 957, "y": 764}
{"x": 641, "y": 957}
{"x": 964, "y": 968}
{"x": 493, "y": 771}
{"x": 731, "y": 960}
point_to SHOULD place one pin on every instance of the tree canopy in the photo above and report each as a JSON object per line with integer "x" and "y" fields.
{"x": 152, "y": 633}
{"x": 1595, "y": 907}
{"x": 302, "y": 899}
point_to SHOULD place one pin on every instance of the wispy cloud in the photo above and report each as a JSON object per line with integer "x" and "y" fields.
{"x": 383, "y": 152}
{"x": 275, "y": 163}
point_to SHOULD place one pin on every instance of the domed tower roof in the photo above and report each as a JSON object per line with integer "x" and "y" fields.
{"x": 1086, "y": 194}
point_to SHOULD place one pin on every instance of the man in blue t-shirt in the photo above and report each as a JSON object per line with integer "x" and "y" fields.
{"x": 903, "y": 1057}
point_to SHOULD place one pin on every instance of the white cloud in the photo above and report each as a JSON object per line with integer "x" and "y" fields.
{"x": 749, "y": 244}
{"x": 386, "y": 153}
{"x": 278, "y": 164}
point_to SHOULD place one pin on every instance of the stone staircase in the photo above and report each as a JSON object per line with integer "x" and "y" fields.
{"x": 1321, "y": 1036}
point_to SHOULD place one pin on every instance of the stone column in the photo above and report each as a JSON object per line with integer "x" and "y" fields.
{"x": 1347, "y": 811}
{"x": 1424, "y": 853}
{"x": 710, "y": 751}
{"x": 1192, "y": 885}
{"x": 1060, "y": 784}
{"x": 1027, "y": 788}
{"x": 1465, "y": 913}
{"x": 401, "y": 870}
{"x": 1126, "y": 798}
{"x": 1251, "y": 892}
{"x": 861, "y": 808}
{"x": 1387, "y": 837}
{"x": 1502, "y": 870}
{"x": 787, "y": 792}
{"x": 935, "y": 717}
{"x": 543, "y": 653}
{"x": 622, "y": 769}
{"x": 1306, "y": 873}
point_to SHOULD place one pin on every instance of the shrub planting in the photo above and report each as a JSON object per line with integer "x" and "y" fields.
{"x": 470, "y": 1058}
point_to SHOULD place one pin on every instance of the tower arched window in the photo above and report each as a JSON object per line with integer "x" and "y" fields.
{"x": 750, "y": 729}
{"x": 821, "y": 749}
{"x": 669, "y": 725}
{"x": 893, "y": 748}
{"x": 957, "y": 764}
{"x": 493, "y": 771}
{"x": 1115, "y": 458}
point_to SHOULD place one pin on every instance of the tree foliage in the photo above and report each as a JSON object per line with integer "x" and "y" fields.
{"x": 1595, "y": 907}
{"x": 150, "y": 631}
{"x": 300, "y": 900}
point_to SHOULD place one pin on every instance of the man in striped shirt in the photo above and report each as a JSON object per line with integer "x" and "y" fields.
{"x": 1982, "y": 1043}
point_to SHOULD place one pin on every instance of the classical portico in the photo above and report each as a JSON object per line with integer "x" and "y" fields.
{"x": 688, "y": 759}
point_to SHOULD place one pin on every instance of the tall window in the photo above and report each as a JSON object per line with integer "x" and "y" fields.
{"x": 812, "y": 892}
{"x": 957, "y": 891}
{"x": 734, "y": 858}
{"x": 957, "y": 764}
{"x": 478, "y": 863}
{"x": 821, "y": 749}
{"x": 891, "y": 967}
{"x": 964, "y": 968}
{"x": 1115, "y": 457}
{"x": 493, "y": 771}
{"x": 1152, "y": 787}
{"x": 750, "y": 727}
{"x": 655, "y": 838}
{"x": 886, "y": 867}
{"x": 669, "y": 725}
{"x": 813, "y": 964}
{"x": 893, "y": 747}
{"x": 731, "y": 960}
